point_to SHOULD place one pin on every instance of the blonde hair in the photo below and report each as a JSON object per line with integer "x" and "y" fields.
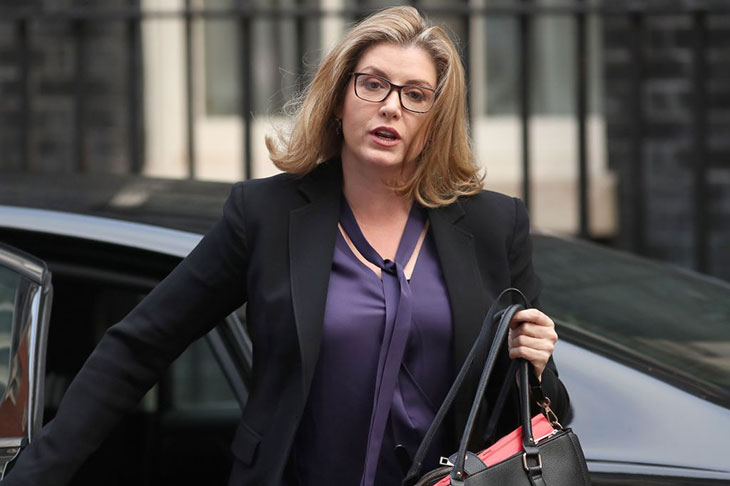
{"x": 445, "y": 168}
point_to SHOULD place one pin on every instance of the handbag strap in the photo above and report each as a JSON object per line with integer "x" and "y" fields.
{"x": 531, "y": 460}
{"x": 493, "y": 313}
{"x": 498, "y": 408}
{"x": 457, "y": 473}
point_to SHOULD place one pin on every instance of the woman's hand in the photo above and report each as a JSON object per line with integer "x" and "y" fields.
{"x": 532, "y": 336}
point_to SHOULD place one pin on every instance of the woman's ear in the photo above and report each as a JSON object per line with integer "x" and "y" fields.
{"x": 338, "y": 126}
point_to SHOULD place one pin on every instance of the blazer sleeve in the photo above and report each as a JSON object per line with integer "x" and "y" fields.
{"x": 205, "y": 287}
{"x": 524, "y": 278}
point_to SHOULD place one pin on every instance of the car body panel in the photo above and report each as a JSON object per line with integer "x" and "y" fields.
{"x": 630, "y": 422}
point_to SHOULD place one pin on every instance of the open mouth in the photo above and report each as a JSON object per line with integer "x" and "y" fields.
{"x": 385, "y": 134}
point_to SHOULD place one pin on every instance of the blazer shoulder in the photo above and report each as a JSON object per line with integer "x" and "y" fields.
{"x": 266, "y": 185}
{"x": 264, "y": 193}
{"x": 494, "y": 217}
{"x": 285, "y": 191}
{"x": 490, "y": 198}
{"x": 495, "y": 207}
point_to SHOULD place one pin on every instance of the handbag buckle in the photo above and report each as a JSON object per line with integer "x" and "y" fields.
{"x": 529, "y": 468}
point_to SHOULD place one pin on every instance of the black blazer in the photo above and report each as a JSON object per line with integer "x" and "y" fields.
{"x": 273, "y": 248}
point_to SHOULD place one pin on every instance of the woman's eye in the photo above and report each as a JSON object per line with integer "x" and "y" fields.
{"x": 416, "y": 95}
{"x": 373, "y": 84}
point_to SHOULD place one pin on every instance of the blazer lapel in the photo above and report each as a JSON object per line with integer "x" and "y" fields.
{"x": 312, "y": 232}
{"x": 457, "y": 255}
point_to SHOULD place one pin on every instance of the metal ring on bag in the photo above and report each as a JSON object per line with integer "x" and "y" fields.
{"x": 527, "y": 467}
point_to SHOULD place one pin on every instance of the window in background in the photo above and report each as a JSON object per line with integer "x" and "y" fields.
{"x": 275, "y": 49}
{"x": 221, "y": 62}
{"x": 552, "y": 65}
{"x": 198, "y": 385}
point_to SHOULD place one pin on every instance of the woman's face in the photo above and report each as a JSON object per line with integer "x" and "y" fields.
{"x": 379, "y": 134}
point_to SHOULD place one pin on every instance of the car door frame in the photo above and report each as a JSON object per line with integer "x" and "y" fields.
{"x": 36, "y": 289}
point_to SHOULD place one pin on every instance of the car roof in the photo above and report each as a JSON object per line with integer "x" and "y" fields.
{"x": 181, "y": 204}
{"x": 165, "y": 241}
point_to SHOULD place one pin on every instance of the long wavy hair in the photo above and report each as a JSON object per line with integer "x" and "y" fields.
{"x": 445, "y": 169}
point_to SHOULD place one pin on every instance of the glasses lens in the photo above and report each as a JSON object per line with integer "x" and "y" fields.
{"x": 371, "y": 88}
{"x": 417, "y": 99}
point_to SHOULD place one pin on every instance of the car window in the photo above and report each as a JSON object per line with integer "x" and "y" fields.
{"x": 194, "y": 382}
{"x": 670, "y": 320}
{"x": 8, "y": 286}
{"x": 198, "y": 383}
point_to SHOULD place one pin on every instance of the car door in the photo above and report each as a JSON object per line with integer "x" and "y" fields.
{"x": 25, "y": 299}
{"x": 102, "y": 268}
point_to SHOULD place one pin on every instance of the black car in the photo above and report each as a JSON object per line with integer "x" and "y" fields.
{"x": 644, "y": 349}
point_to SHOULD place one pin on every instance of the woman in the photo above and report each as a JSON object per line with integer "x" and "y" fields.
{"x": 367, "y": 268}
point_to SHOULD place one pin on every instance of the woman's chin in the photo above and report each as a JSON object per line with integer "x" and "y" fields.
{"x": 385, "y": 162}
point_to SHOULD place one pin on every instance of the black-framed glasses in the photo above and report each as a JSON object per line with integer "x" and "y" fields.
{"x": 374, "y": 88}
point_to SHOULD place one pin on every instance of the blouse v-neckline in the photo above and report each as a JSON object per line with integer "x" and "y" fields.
{"x": 409, "y": 245}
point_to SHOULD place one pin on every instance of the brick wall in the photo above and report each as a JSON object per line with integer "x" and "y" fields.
{"x": 669, "y": 145}
{"x": 53, "y": 57}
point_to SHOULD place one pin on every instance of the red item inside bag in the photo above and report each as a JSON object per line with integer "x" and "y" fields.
{"x": 510, "y": 444}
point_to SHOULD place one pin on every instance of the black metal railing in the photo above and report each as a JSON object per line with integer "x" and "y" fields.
{"x": 525, "y": 12}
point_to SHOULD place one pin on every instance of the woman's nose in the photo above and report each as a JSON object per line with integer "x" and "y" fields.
{"x": 391, "y": 106}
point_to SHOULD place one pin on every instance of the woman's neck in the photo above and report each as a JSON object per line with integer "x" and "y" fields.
{"x": 371, "y": 197}
{"x": 380, "y": 212}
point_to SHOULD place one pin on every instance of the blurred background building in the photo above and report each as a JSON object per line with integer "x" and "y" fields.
{"x": 610, "y": 118}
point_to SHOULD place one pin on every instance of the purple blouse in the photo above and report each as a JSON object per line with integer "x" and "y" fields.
{"x": 366, "y": 396}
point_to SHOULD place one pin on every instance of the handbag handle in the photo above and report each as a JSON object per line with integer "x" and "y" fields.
{"x": 527, "y": 382}
{"x": 480, "y": 343}
{"x": 457, "y": 473}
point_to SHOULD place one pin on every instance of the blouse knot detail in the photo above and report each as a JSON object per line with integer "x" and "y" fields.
{"x": 389, "y": 266}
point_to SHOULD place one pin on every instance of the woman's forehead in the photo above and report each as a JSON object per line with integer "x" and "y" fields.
{"x": 400, "y": 64}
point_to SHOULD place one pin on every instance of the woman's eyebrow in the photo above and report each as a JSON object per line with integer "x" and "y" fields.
{"x": 417, "y": 82}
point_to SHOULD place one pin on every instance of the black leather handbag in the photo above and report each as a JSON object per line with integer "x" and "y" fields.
{"x": 555, "y": 460}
